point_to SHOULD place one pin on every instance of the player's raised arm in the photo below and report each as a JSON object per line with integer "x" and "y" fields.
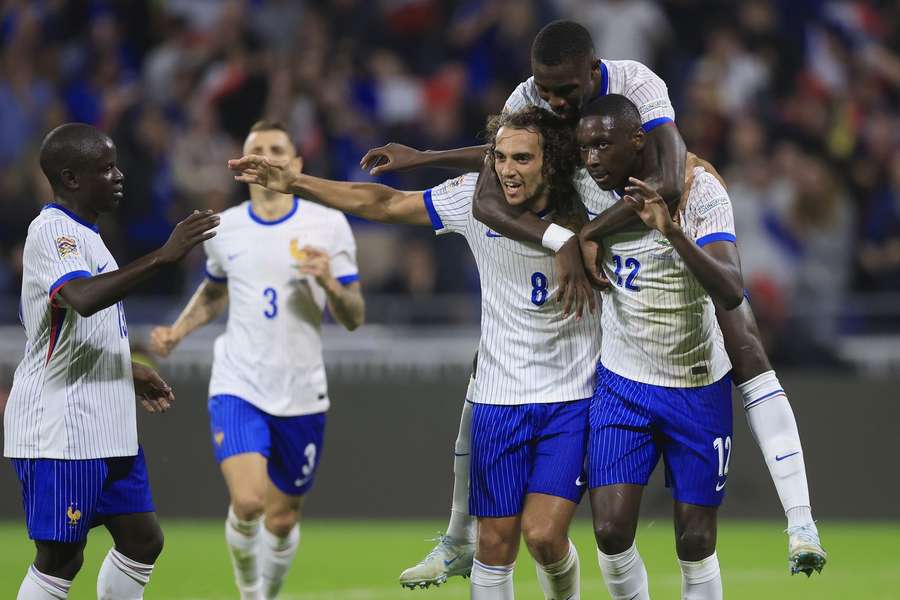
{"x": 713, "y": 258}
{"x": 371, "y": 201}
{"x": 87, "y": 295}
{"x": 207, "y": 303}
{"x": 397, "y": 157}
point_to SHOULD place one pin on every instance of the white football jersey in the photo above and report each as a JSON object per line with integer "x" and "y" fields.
{"x": 271, "y": 352}
{"x": 73, "y": 393}
{"x": 659, "y": 323}
{"x": 628, "y": 78}
{"x": 528, "y": 353}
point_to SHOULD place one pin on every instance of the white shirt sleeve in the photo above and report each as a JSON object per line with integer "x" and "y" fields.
{"x": 708, "y": 215}
{"x": 214, "y": 269}
{"x": 343, "y": 252}
{"x": 519, "y": 98}
{"x": 649, "y": 94}
{"x": 60, "y": 252}
{"x": 449, "y": 204}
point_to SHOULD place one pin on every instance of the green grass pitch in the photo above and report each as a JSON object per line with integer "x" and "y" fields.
{"x": 360, "y": 560}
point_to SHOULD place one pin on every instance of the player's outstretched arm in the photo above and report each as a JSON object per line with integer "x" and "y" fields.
{"x": 91, "y": 294}
{"x": 491, "y": 208}
{"x": 207, "y": 303}
{"x": 397, "y": 157}
{"x": 716, "y": 265}
{"x": 371, "y": 201}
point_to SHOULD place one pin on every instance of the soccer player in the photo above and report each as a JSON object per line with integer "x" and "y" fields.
{"x": 566, "y": 76}
{"x": 529, "y": 413}
{"x": 277, "y": 262}
{"x": 69, "y": 424}
{"x": 663, "y": 383}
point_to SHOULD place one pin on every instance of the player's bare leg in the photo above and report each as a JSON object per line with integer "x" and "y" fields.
{"x": 455, "y": 550}
{"x": 55, "y": 566}
{"x": 695, "y": 542}
{"x": 280, "y": 538}
{"x": 615, "y": 510}
{"x": 545, "y": 527}
{"x": 138, "y": 541}
{"x": 495, "y": 558}
{"x": 771, "y": 420}
{"x": 247, "y": 480}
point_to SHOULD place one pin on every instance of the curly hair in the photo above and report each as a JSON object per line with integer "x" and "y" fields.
{"x": 560, "y": 157}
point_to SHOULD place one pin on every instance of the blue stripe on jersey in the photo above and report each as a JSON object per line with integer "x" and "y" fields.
{"x": 436, "y": 222}
{"x": 56, "y": 285}
{"x": 73, "y": 216}
{"x": 604, "y": 79}
{"x": 262, "y": 221}
{"x": 722, "y": 236}
{"x": 348, "y": 279}
{"x": 654, "y": 123}
{"x": 214, "y": 278}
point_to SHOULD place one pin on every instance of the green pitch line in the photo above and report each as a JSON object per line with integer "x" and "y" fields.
{"x": 360, "y": 560}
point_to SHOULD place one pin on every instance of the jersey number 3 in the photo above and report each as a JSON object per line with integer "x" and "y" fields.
{"x": 272, "y": 296}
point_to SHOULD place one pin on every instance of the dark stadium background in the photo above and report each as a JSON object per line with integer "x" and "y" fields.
{"x": 794, "y": 101}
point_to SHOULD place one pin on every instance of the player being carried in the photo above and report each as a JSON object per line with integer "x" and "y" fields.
{"x": 529, "y": 407}
{"x": 69, "y": 425}
{"x": 567, "y": 75}
{"x": 277, "y": 262}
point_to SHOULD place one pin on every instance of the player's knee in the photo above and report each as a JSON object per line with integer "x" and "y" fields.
{"x": 695, "y": 542}
{"x": 281, "y": 522}
{"x": 495, "y": 548}
{"x": 59, "y": 560}
{"x": 613, "y": 537}
{"x": 143, "y": 546}
{"x": 546, "y": 543}
{"x": 247, "y": 505}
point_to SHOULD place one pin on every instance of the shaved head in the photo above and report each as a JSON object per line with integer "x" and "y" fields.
{"x": 623, "y": 112}
{"x": 72, "y": 146}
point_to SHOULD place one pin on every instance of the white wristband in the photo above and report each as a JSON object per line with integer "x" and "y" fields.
{"x": 555, "y": 237}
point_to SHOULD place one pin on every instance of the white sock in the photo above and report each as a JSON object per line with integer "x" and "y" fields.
{"x": 122, "y": 578}
{"x": 625, "y": 575}
{"x": 492, "y": 583}
{"x": 462, "y": 526}
{"x": 243, "y": 545}
{"x": 775, "y": 430}
{"x": 701, "y": 580}
{"x": 39, "y": 586}
{"x": 561, "y": 580}
{"x": 276, "y": 555}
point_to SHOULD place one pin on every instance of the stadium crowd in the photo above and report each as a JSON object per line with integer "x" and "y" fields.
{"x": 795, "y": 102}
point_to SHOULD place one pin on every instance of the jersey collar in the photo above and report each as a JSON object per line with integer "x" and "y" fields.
{"x": 262, "y": 221}
{"x": 92, "y": 226}
{"x": 604, "y": 81}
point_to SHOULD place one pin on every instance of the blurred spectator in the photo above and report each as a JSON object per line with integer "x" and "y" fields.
{"x": 880, "y": 250}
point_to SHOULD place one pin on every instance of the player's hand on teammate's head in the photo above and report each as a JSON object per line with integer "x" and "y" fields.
{"x": 390, "y": 157}
{"x": 195, "y": 229}
{"x": 591, "y": 254}
{"x": 162, "y": 341}
{"x": 648, "y": 204}
{"x": 276, "y": 174}
{"x": 575, "y": 291}
{"x": 154, "y": 393}
{"x": 316, "y": 263}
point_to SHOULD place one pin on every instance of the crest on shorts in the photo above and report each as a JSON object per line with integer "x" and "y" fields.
{"x": 66, "y": 246}
{"x": 218, "y": 437}
{"x": 74, "y": 515}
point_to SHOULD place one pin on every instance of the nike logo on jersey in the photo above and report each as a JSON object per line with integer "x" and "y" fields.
{"x": 234, "y": 256}
{"x": 447, "y": 563}
{"x": 493, "y": 234}
{"x": 720, "y": 486}
{"x": 102, "y": 268}
{"x": 781, "y": 458}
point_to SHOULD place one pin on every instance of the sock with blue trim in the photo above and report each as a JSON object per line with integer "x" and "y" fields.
{"x": 772, "y": 422}
{"x": 462, "y": 526}
{"x": 40, "y": 586}
{"x": 122, "y": 578}
{"x": 492, "y": 582}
